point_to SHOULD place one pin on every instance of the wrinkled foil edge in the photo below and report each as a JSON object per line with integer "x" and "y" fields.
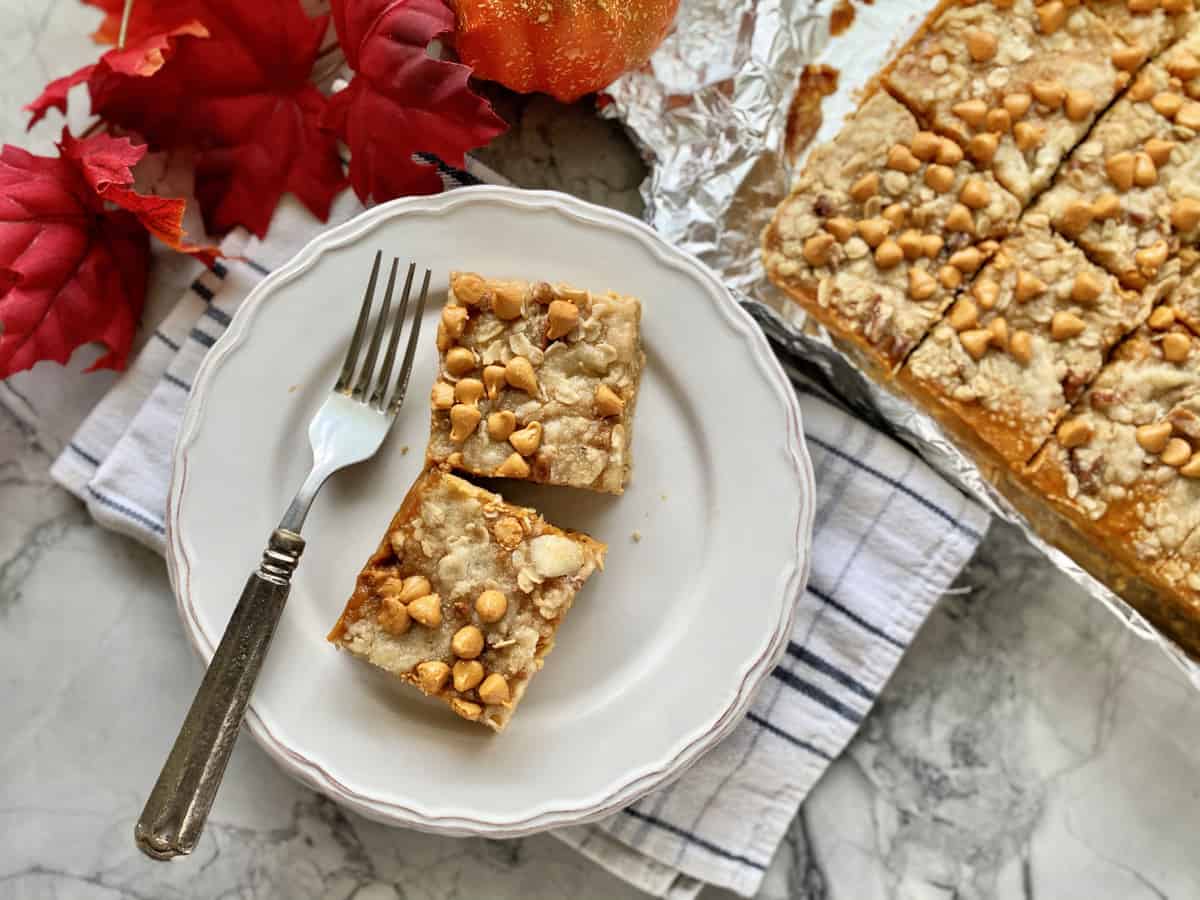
{"x": 709, "y": 114}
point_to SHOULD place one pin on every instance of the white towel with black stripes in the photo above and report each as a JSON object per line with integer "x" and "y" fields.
{"x": 890, "y": 538}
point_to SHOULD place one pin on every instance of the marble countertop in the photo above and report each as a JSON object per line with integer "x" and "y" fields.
{"x": 1028, "y": 745}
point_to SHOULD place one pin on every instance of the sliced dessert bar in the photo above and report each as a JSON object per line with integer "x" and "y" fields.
{"x": 1130, "y": 193}
{"x": 880, "y": 228}
{"x": 464, "y": 595}
{"x": 1017, "y": 85}
{"x": 1018, "y": 348}
{"x": 537, "y": 381}
{"x": 1124, "y": 470}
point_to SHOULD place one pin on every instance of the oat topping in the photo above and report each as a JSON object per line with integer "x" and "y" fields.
{"x": 464, "y": 596}
{"x": 537, "y": 382}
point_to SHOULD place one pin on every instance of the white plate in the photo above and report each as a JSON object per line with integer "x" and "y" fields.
{"x": 661, "y": 652}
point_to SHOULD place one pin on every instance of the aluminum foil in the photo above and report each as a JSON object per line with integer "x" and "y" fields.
{"x": 710, "y": 114}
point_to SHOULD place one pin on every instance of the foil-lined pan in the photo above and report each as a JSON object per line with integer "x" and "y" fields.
{"x": 710, "y": 113}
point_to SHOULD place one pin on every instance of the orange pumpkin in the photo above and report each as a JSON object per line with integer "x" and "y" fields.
{"x": 566, "y": 48}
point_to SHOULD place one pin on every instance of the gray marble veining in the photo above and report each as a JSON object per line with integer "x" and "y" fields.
{"x": 1027, "y": 747}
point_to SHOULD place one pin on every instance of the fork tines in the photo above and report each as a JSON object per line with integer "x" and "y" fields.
{"x": 360, "y": 389}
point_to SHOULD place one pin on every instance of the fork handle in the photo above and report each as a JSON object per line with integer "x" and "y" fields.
{"x": 178, "y": 806}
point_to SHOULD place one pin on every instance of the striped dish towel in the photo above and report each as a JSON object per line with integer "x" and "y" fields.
{"x": 890, "y": 537}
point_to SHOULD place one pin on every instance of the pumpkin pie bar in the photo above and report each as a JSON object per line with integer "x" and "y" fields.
{"x": 881, "y": 227}
{"x": 1016, "y": 84}
{"x": 1018, "y": 348}
{"x": 1124, "y": 472}
{"x": 536, "y": 381}
{"x": 1130, "y": 193}
{"x": 464, "y": 595}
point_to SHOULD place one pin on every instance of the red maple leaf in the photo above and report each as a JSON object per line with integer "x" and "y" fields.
{"x": 401, "y": 101}
{"x": 72, "y": 269}
{"x": 240, "y": 99}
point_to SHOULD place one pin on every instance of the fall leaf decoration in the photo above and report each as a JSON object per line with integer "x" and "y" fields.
{"x": 227, "y": 85}
{"x": 72, "y": 269}
{"x": 401, "y": 101}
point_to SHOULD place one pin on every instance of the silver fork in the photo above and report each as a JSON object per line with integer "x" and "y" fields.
{"x": 348, "y": 428}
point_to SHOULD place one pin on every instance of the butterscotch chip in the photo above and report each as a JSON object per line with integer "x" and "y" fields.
{"x": 921, "y": 285}
{"x": 1028, "y": 135}
{"x": 1128, "y": 58}
{"x": 1120, "y": 167}
{"x": 983, "y": 148}
{"x": 974, "y": 194}
{"x": 1086, "y": 287}
{"x": 1167, "y": 103}
{"x": 1076, "y": 217}
{"x": 973, "y": 112}
{"x": 493, "y": 381}
{"x": 504, "y": 603}
{"x": 1145, "y": 173}
{"x": 910, "y": 242}
{"x": 508, "y": 532}
{"x": 981, "y": 44}
{"x": 940, "y": 178}
{"x": 1107, "y": 206}
{"x": 865, "y": 188}
{"x": 931, "y": 245}
{"x": 468, "y": 391}
{"x": 1051, "y": 16}
{"x": 1161, "y": 318}
{"x": 874, "y": 231}
{"x": 1153, "y": 438}
{"x": 950, "y": 277}
{"x": 1065, "y": 325}
{"x": 999, "y": 329}
{"x": 967, "y": 260}
{"x": 888, "y": 254}
{"x": 466, "y": 709}
{"x": 1175, "y": 347}
{"x": 959, "y": 219}
{"x": 818, "y": 250}
{"x": 562, "y": 317}
{"x": 459, "y": 361}
{"x": 949, "y": 154}
{"x": 1074, "y": 433}
{"x": 508, "y": 300}
{"x": 501, "y": 424}
{"x": 494, "y": 690}
{"x": 901, "y": 159}
{"x": 998, "y": 121}
{"x": 527, "y": 440}
{"x": 1151, "y": 258}
{"x": 1050, "y": 94}
{"x": 895, "y": 213}
{"x": 925, "y": 145}
{"x": 1021, "y": 347}
{"x": 454, "y": 319}
{"x": 1185, "y": 214}
{"x": 1188, "y": 116}
{"x": 1184, "y": 66}
{"x": 1017, "y": 104}
{"x": 840, "y": 227}
{"x": 518, "y": 373}
{"x": 986, "y": 291}
{"x": 463, "y": 421}
{"x": 963, "y": 315}
{"x": 607, "y": 402}
{"x": 514, "y": 466}
{"x": 1176, "y": 453}
{"x": 432, "y": 676}
{"x": 976, "y": 341}
{"x": 1028, "y": 286}
{"x": 469, "y": 288}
